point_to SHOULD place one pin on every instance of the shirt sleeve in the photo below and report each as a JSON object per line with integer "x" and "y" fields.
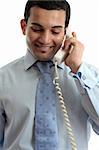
{"x": 87, "y": 79}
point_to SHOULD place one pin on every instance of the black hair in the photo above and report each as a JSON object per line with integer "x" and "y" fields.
{"x": 49, "y": 5}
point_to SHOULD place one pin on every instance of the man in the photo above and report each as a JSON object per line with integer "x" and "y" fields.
{"x": 45, "y": 25}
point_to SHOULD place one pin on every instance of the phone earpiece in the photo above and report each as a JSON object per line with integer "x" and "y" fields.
{"x": 68, "y": 33}
{"x": 61, "y": 54}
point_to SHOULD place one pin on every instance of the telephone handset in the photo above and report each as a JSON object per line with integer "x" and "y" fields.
{"x": 58, "y": 58}
{"x": 61, "y": 54}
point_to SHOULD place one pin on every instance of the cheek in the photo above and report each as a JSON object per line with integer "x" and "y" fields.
{"x": 59, "y": 41}
{"x": 30, "y": 37}
{"x": 59, "y": 38}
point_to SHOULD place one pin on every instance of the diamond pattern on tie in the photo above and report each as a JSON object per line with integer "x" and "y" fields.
{"x": 46, "y": 132}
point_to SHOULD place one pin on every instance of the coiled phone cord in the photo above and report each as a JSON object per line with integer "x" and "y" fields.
{"x": 64, "y": 109}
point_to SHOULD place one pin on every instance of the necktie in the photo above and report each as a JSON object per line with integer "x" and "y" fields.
{"x": 46, "y": 132}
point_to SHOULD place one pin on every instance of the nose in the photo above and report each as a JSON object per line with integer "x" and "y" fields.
{"x": 45, "y": 38}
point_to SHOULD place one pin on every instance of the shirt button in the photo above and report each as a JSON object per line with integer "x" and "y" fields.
{"x": 83, "y": 77}
{"x": 79, "y": 74}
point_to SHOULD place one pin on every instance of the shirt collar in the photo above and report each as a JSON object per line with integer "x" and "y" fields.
{"x": 29, "y": 61}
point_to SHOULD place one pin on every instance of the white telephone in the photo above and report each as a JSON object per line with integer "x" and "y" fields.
{"x": 61, "y": 54}
{"x": 58, "y": 58}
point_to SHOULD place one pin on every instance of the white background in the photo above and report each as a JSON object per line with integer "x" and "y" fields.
{"x": 84, "y": 21}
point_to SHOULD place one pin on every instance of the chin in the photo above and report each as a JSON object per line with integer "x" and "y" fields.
{"x": 44, "y": 58}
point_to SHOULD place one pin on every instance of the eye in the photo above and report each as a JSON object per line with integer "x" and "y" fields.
{"x": 36, "y": 29}
{"x": 54, "y": 32}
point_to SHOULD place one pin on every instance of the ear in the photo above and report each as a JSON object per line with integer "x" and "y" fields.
{"x": 23, "y": 26}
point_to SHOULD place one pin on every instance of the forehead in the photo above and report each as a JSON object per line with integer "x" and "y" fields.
{"x": 47, "y": 17}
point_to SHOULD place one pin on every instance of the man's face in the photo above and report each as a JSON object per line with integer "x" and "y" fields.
{"x": 44, "y": 32}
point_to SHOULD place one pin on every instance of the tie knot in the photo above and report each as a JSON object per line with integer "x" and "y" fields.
{"x": 44, "y": 66}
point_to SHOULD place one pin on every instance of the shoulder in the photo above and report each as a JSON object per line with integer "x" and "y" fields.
{"x": 11, "y": 69}
{"x": 12, "y": 65}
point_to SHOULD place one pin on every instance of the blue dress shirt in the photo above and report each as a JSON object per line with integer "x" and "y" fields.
{"x": 18, "y": 83}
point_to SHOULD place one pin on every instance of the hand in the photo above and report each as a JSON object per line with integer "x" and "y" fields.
{"x": 74, "y": 50}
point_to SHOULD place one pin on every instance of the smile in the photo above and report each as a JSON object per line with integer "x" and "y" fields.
{"x": 43, "y": 46}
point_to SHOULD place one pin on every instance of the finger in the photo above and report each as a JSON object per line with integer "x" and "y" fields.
{"x": 70, "y": 49}
{"x": 74, "y": 35}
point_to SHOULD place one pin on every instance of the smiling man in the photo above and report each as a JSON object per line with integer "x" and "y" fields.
{"x": 32, "y": 122}
{"x": 45, "y": 31}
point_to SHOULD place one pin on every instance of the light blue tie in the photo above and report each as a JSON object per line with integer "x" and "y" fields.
{"x": 46, "y": 132}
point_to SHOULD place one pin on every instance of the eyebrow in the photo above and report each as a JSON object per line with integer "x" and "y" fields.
{"x": 58, "y": 26}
